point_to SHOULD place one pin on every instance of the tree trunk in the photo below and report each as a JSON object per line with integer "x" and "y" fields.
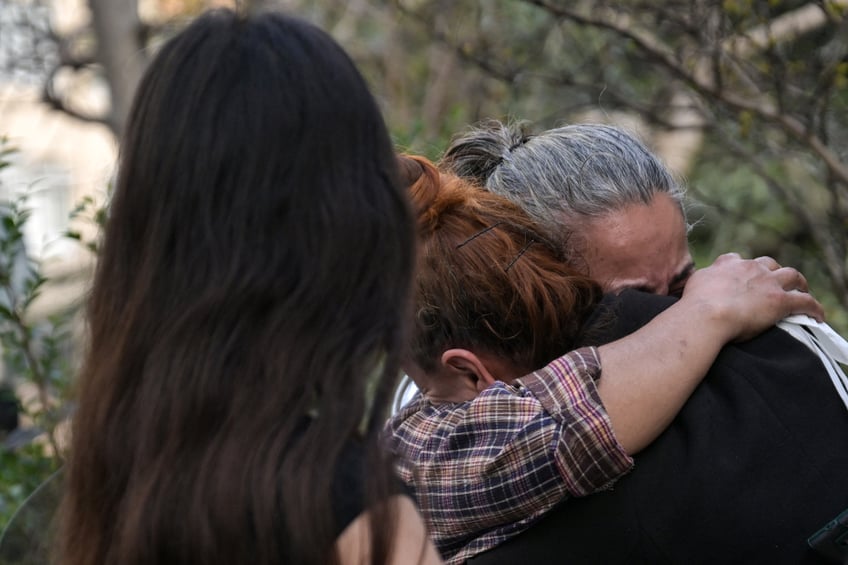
{"x": 118, "y": 29}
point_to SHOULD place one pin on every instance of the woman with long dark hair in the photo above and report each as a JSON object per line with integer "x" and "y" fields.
{"x": 246, "y": 315}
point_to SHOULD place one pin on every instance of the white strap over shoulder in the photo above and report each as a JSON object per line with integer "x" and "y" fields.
{"x": 828, "y": 345}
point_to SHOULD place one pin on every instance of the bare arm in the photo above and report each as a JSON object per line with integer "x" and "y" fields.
{"x": 410, "y": 545}
{"x": 648, "y": 375}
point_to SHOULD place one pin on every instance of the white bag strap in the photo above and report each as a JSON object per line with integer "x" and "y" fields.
{"x": 828, "y": 345}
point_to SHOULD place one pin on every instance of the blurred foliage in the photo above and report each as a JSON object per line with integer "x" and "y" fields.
{"x": 21, "y": 471}
{"x": 36, "y": 356}
{"x": 33, "y": 351}
{"x": 88, "y": 211}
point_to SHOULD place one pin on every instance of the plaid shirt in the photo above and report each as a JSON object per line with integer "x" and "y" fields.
{"x": 486, "y": 469}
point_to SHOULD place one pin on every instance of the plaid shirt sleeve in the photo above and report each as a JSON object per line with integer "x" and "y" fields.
{"x": 484, "y": 470}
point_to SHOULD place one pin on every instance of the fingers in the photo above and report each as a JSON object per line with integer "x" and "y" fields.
{"x": 725, "y": 257}
{"x": 791, "y": 279}
{"x": 752, "y": 294}
{"x": 768, "y": 262}
{"x": 794, "y": 283}
{"x": 799, "y": 302}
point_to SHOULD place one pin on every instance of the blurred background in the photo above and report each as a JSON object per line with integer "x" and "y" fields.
{"x": 747, "y": 100}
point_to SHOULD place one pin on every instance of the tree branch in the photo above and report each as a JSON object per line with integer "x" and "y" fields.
{"x": 699, "y": 80}
{"x": 50, "y": 97}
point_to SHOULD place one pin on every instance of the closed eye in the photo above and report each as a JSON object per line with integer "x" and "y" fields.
{"x": 647, "y": 289}
{"x": 678, "y": 283}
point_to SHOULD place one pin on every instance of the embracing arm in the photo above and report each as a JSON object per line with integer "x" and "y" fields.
{"x": 648, "y": 375}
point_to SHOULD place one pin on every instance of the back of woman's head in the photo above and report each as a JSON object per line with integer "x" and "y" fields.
{"x": 563, "y": 175}
{"x": 254, "y": 271}
{"x": 487, "y": 278}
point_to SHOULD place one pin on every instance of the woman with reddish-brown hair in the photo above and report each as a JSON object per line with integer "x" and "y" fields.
{"x": 505, "y": 426}
{"x": 246, "y": 319}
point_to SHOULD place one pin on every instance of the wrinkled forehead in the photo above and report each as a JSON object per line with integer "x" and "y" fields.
{"x": 640, "y": 245}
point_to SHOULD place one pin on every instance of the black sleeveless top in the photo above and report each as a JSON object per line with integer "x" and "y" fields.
{"x": 349, "y": 486}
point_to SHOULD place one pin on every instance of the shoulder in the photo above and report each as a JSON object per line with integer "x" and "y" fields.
{"x": 421, "y": 419}
{"x": 410, "y": 544}
{"x": 622, "y": 314}
{"x": 567, "y": 382}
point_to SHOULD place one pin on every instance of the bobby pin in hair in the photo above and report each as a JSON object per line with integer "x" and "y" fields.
{"x": 479, "y": 233}
{"x": 520, "y": 253}
{"x": 518, "y": 144}
{"x": 505, "y": 157}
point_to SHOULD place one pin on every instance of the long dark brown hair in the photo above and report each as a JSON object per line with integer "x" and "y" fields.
{"x": 247, "y": 308}
{"x": 488, "y": 279}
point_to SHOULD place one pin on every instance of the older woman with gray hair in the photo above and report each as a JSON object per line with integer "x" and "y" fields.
{"x": 596, "y": 189}
{"x": 712, "y": 488}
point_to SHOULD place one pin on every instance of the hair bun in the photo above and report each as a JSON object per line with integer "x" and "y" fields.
{"x": 476, "y": 154}
{"x": 410, "y": 170}
{"x": 424, "y": 186}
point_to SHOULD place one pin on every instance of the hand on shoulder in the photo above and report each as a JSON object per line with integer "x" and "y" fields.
{"x": 747, "y": 296}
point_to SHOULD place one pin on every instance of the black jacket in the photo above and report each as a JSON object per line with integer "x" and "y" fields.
{"x": 756, "y": 461}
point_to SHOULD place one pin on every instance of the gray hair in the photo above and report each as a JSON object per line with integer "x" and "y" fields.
{"x": 562, "y": 175}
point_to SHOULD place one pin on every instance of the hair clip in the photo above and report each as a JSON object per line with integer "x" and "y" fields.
{"x": 520, "y": 253}
{"x": 479, "y": 233}
{"x": 524, "y": 139}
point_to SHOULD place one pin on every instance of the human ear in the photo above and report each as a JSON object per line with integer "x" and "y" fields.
{"x": 469, "y": 367}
